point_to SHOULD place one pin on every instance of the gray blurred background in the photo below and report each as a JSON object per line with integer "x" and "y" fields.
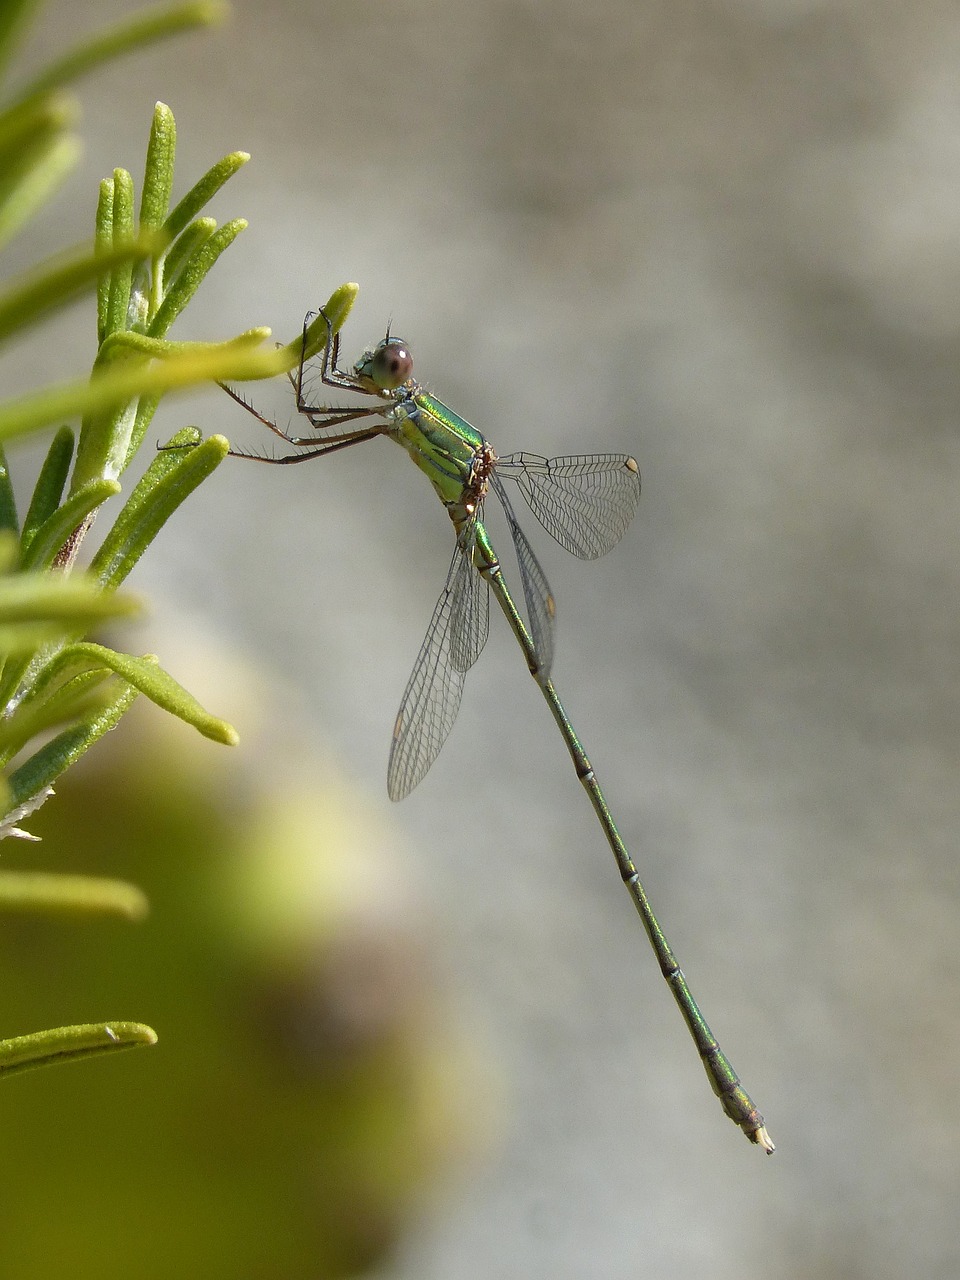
{"x": 725, "y": 237}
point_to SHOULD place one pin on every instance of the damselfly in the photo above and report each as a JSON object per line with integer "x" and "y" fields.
{"x": 585, "y": 502}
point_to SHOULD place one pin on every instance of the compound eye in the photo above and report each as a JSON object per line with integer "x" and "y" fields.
{"x": 392, "y": 364}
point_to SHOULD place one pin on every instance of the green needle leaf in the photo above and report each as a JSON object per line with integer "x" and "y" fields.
{"x": 158, "y": 171}
{"x": 185, "y": 245}
{"x": 39, "y": 710}
{"x": 336, "y": 309}
{"x": 63, "y": 1044}
{"x": 146, "y": 407}
{"x": 49, "y": 894}
{"x": 191, "y": 276}
{"x": 50, "y": 485}
{"x": 203, "y": 191}
{"x": 171, "y": 477}
{"x": 160, "y": 687}
{"x": 43, "y": 768}
{"x": 130, "y": 343}
{"x": 37, "y": 609}
{"x": 53, "y": 534}
{"x": 121, "y": 277}
{"x": 103, "y": 243}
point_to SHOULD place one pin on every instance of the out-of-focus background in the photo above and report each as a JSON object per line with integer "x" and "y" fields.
{"x": 724, "y": 236}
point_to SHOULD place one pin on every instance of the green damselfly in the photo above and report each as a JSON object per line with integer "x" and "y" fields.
{"x": 585, "y": 502}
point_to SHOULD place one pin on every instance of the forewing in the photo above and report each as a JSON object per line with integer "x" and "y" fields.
{"x": 541, "y": 610}
{"x": 431, "y": 699}
{"x": 585, "y": 501}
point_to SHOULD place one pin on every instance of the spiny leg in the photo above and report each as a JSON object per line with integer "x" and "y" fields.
{"x": 319, "y": 416}
{"x": 331, "y": 375}
{"x": 330, "y": 372}
{"x": 319, "y": 451}
{"x": 308, "y": 442}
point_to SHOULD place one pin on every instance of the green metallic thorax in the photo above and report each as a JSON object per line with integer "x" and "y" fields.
{"x": 444, "y": 446}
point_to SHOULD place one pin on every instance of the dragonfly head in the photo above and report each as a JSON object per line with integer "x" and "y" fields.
{"x": 387, "y": 366}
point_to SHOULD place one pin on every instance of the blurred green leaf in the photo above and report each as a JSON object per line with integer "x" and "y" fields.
{"x": 8, "y": 503}
{"x": 24, "y": 128}
{"x": 108, "y": 434}
{"x": 45, "y": 893}
{"x": 22, "y": 639}
{"x": 59, "y": 283}
{"x": 49, "y": 165}
{"x": 9, "y": 551}
{"x": 75, "y": 601}
{"x": 14, "y": 16}
{"x": 216, "y": 363}
{"x": 150, "y": 25}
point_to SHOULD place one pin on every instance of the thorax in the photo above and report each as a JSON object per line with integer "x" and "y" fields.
{"x": 452, "y": 454}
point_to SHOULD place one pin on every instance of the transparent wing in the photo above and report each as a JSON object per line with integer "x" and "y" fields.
{"x": 541, "y": 609}
{"x": 470, "y": 608}
{"x": 431, "y": 700}
{"x": 585, "y": 501}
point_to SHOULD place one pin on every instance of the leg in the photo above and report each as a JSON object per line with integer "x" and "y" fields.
{"x": 331, "y": 375}
{"x": 328, "y": 446}
{"x": 320, "y": 415}
{"x": 336, "y": 418}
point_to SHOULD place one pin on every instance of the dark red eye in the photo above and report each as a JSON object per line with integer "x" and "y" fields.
{"x": 392, "y": 364}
